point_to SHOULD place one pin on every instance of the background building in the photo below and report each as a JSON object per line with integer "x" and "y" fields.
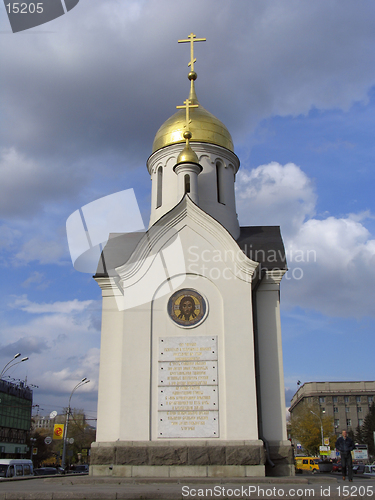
{"x": 45, "y": 424}
{"x": 347, "y": 402}
{"x": 15, "y": 419}
{"x": 80, "y": 436}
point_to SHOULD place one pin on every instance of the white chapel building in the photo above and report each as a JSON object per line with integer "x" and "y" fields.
{"x": 191, "y": 374}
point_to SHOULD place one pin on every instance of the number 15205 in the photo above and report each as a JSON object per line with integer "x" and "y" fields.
{"x": 24, "y": 8}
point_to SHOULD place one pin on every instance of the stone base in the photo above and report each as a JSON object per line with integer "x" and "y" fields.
{"x": 281, "y": 454}
{"x": 177, "y": 471}
{"x": 178, "y": 459}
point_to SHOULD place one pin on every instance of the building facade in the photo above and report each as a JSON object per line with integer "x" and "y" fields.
{"x": 346, "y": 402}
{"x": 15, "y": 419}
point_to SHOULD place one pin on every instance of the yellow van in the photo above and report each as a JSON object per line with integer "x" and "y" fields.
{"x": 306, "y": 464}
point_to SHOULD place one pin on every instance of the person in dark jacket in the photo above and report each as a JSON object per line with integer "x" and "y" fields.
{"x": 345, "y": 445}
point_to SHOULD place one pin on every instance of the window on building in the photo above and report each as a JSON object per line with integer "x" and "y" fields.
{"x": 360, "y": 422}
{"x": 159, "y": 188}
{"x": 347, "y": 409}
{"x": 335, "y": 409}
{"x": 220, "y": 182}
{"x": 346, "y": 399}
{"x": 359, "y": 409}
{"x": 187, "y": 183}
{"x": 323, "y": 410}
{"x": 370, "y": 399}
{"x": 322, "y": 399}
{"x": 336, "y": 422}
{"x": 348, "y": 421}
{"x": 334, "y": 399}
{"x": 358, "y": 399}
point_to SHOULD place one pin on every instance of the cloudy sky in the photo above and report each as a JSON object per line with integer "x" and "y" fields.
{"x": 81, "y": 100}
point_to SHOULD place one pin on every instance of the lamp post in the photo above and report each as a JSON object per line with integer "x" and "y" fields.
{"x": 8, "y": 365}
{"x": 321, "y": 425}
{"x": 80, "y": 384}
{"x": 9, "y": 362}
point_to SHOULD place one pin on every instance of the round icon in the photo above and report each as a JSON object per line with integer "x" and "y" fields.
{"x": 71, "y": 440}
{"x": 187, "y": 308}
{"x": 53, "y": 414}
{"x": 48, "y": 440}
{"x": 58, "y": 431}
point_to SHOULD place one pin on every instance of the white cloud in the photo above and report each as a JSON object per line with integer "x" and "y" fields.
{"x": 275, "y": 195}
{"x": 285, "y": 57}
{"x": 331, "y": 261}
{"x": 62, "y": 345}
{"x": 67, "y": 307}
{"x": 28, "y": 184}
{"x": 38, "y": 279}
{"x": 41, "y": 250}
{"x": 8, "y": 236}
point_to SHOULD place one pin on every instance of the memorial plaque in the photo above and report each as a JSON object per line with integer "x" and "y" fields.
{"x": 187, "y": 373}
{"x": 188, "y": 400}
{"x": 188, "y": 348}
{"x": 198, "y": 398}
{"x": 188, "y": 424}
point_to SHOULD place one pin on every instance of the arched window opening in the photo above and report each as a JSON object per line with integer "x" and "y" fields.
{"x": 220, "y": 183}
{"x": 159, "y": 187}
{"x": 187, "y": 183}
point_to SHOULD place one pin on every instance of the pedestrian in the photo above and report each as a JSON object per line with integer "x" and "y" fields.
{"x": 345, "y": 445}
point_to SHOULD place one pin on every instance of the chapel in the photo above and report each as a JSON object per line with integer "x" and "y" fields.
{"x": 191, "y": 372}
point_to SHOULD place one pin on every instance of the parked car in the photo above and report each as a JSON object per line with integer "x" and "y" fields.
{"x": 324, "y": 465}
{"x": 369, "y": 470}
{"x": 79, "y": 469}
{"x": 46, "y": 471}
{"x": 359, "y": 468}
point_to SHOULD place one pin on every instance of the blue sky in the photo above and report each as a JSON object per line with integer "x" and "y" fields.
{"x": 81, "y": 99}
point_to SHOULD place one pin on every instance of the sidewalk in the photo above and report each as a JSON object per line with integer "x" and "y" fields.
{"x": 97, "y": 488}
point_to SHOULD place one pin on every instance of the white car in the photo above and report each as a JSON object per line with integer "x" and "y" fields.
{"x": 369, "y": 470}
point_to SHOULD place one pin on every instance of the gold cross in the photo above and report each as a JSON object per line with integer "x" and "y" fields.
{"x": 192, "y": 38}
{"x": 187, "y": 106}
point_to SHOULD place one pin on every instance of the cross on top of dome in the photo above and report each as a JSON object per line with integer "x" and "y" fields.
{"x": 191, "y": 39}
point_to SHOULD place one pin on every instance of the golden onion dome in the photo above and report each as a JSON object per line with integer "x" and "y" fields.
{"x": 187, "y": 155}
{"x": 204, "y": 126}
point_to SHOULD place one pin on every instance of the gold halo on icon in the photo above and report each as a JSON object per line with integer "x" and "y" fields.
{"x": 187, "y": 307}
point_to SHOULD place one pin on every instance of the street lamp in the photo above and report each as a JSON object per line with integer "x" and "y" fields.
{"x": 321, "y": 425}
{"x": 80, "y": 384}
{"x": 9, "y": 365}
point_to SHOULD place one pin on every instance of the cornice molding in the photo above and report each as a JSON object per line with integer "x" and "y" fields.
{"x": 202, "y": 149}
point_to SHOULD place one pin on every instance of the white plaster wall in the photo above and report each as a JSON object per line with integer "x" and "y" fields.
{"x": 127, "y": 407}
{"x": 208, "y": 155}
{"x": 229, "y": 318}
{"x": 207, "y": 190}
{"x": 271, "y": 373}
{"x": 110, "y": 382}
